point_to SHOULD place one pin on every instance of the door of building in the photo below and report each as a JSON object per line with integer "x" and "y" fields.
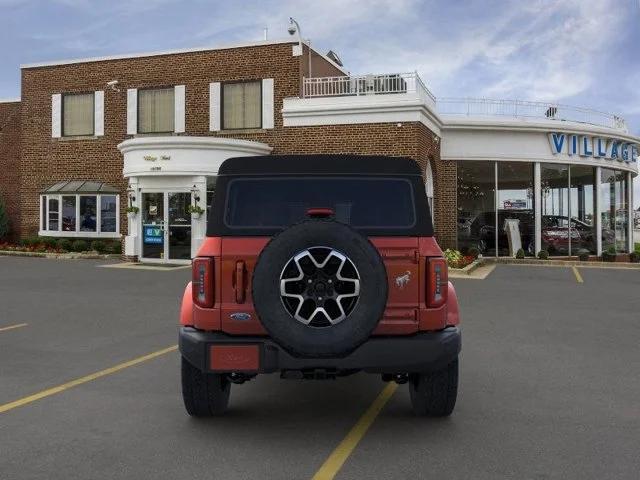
{"x": 166, "y": 227}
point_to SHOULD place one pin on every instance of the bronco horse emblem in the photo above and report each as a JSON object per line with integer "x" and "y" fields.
{"x": 402, "y": 280}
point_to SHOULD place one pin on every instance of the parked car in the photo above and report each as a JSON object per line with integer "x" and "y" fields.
{"x": 484, "y": 233}
{"x": 319, "y": 267}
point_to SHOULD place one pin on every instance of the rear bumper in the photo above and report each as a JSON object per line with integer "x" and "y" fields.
{"x": 421, "y": 352}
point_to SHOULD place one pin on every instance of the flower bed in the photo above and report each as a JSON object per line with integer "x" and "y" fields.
{"x": 37, "y": 248}
{"x": 62, "y": 245}
{"x": 455, "y": 259}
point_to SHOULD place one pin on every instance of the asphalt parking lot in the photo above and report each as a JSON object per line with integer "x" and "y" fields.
{"x": 549, "y": 388}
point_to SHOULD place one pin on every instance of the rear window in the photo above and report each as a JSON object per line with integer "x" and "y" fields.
{"x": 275, "y": 203}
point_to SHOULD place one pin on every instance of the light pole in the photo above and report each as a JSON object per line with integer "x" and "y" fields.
{"x": 294, "y": 27}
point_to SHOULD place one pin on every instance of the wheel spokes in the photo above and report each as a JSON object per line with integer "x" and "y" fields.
{"x": 319, "y": 285}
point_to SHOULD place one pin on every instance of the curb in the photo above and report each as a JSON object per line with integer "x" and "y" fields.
{"x": 60, "y": 256}
{"x": 469, "y": 268}
{"x": 564, "y": 263}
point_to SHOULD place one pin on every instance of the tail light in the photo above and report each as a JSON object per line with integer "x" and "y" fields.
{"x": 437, "y": 282}
{"x": 202, "y": 282}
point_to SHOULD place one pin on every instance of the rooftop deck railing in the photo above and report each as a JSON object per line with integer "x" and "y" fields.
{"x": 526, "y": 109}
{"x": 366, "y": 85}
{"x": 403, "y": 83}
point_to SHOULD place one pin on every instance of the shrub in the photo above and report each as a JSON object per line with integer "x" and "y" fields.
{"x": 543, "y": 254}
{"x": 113, "y": 247}
{"x": 634, "y": 257}
{"x": 64, "y": 244}
{"x": 474, "y": 252}
{"x": 79, "y": 245}
{"x": 29, "y": 241}
{"x": 453, "y": 257}
{"x": 4, "y": 220}
{"x": 48, "y": 242}
{"x": 609, "y": 255}
{"x": 583, "y": 255}
{"x": 99, "y": 246}
{"x": 520, "y": 253}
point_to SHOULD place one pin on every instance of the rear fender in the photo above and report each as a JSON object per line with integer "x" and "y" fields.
{"x": 186, "y": 309}
{"x": 453, "y": 314}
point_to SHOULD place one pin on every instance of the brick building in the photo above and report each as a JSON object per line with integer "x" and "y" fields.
{"x": 90, "y": 139}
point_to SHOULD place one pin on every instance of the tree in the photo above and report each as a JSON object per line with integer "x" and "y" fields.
{"x": 4, "y": 220}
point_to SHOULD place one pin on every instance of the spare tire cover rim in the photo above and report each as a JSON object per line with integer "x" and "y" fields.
{"x": 319, "y": 286}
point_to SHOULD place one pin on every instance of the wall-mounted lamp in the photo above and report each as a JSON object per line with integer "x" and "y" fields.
{"x": 196, "y": 194}
{"x": 132, "y": 195}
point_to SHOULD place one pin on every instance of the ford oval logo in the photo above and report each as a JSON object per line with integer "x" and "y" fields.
{"x": 240, "y": 316}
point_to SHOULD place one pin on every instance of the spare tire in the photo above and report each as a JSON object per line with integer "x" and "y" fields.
{"x": 319, "y": 288}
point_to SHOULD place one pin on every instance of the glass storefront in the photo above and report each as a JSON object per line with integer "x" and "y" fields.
{"x": 568, "y": 205}
{"x": 583, "y": 209}
{"x": 476, "y": 206}
{"x": 516, "y": 214}
{"x": 614, "y": 210}
{"x": 554, "y": 205}
{"x": 568, "y": 209}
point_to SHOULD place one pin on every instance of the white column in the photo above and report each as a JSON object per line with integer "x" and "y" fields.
{"x": 630, "y": 209}
{"x": 598, "y": 219}
{"x": 131, "y": 241}
{"x": 199, "y": 225}
{"x": 537, "y": 202}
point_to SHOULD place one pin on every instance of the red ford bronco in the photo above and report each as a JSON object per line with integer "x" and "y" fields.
{"x": 318, "y": 267}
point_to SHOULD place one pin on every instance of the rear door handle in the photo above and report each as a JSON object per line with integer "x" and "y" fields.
{"x": 240, "y": 284}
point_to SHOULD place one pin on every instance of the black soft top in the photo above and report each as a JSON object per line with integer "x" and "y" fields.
{"x": 320, "y": 165}
{"x": 305, "y": 166}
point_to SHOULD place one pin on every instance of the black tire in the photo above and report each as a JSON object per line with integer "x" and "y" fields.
{"x": 331, "y": 340}
{"x": 434, "y": 394}
{"x": 204, "y": 394}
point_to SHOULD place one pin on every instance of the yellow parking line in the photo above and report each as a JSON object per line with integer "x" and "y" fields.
{"x": 79, "y": 381}
{"x": 334, "y": 463}
{"x": 577, "y": 274}
{"x": 11, "y": 327}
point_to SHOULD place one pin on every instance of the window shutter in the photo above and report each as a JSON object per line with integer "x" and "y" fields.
{"x": 132, "y": 111}
{"x": 214, "y": 107}
{"x": 56, "y": 115}
{"x": 178, "y": 97}
{"x": 267, "y": 103}
{"x": 98, "y": 112}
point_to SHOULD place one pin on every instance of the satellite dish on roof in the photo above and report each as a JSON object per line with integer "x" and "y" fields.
{"x": 334, "y": 57}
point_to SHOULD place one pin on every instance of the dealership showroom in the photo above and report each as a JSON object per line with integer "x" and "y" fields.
{"x": 136, "y": 160}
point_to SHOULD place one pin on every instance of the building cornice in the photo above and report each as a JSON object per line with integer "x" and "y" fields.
{"x": 127, "y": 56}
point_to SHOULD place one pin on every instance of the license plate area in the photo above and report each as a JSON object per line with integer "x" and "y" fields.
{"x": 234, "y": 358}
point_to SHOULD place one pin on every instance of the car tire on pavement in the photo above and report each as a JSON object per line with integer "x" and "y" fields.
{"x": 204, "y": 394}
{"x": 434, "y": 393}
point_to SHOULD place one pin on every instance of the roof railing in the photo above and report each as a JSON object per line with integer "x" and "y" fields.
{"x": 527, "y": 109}
{"x": 411, "y": 83}
{"x": 357, "y": 85}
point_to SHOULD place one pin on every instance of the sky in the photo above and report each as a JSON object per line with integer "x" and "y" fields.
{"x": 579, "y": 52}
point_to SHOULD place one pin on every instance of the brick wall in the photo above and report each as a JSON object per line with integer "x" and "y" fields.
{"x": 46, "y": 160}
{"x": 9, "y": 162}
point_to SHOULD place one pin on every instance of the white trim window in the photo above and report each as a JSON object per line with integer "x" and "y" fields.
{"x": 156, "y": 110}
{"x": 77, "y": 114}
{"x": 242, "y": 105}
{"x": 80, "y": 215}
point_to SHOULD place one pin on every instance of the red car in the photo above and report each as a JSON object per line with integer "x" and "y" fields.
{"x": 319, "y": 267}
